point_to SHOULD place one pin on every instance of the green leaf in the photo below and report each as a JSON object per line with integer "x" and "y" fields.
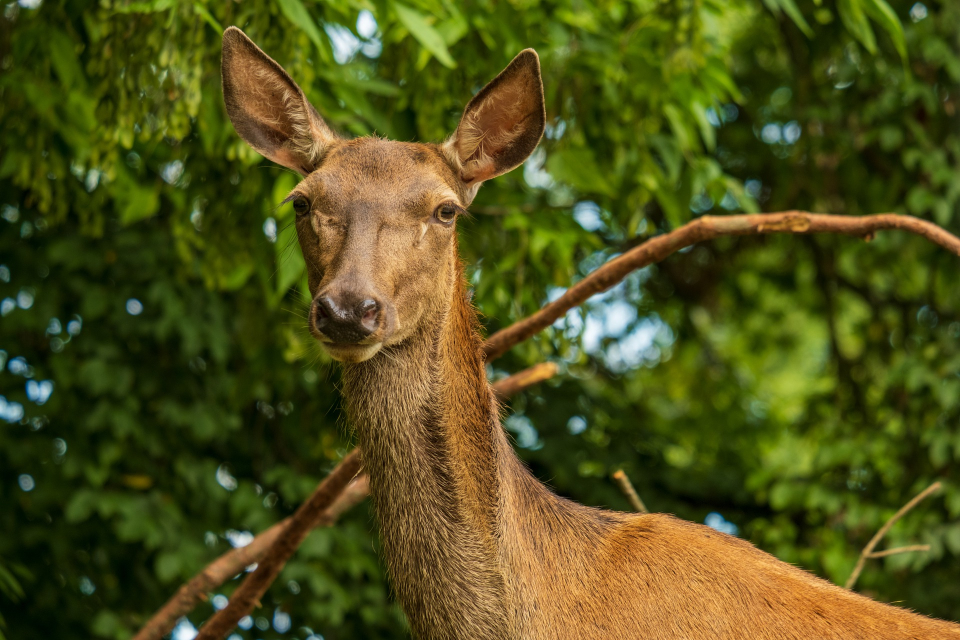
{"x": 295, "y": 12}
{"x": 424, "y": 32}
{"x": 208, "y": 17}
{"x": 134, "y": 201}
{"x": 887, "y": 18}
{"x": 790, "y": 8}
{"x": 578, "y": 168}
{"x": 855, "y": 20}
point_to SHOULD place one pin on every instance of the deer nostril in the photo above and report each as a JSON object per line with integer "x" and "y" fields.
{"x": 369, "y": 312}
{"x": 324, "y": 305}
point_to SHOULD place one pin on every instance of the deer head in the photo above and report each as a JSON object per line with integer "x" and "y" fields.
{"x": 376, "y": 219}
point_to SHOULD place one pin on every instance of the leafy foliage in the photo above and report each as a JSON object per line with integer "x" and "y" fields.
{"x": 161, "y": 397}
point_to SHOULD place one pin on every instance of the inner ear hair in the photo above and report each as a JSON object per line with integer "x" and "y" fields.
{"x": 502, "y": 124}
{"x": 268, "y": 109}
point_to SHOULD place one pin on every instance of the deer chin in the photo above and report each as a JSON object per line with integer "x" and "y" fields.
{"x": 351, "y": 353}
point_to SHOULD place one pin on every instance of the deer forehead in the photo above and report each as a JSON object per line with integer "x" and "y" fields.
{"x": 370, "y": 174}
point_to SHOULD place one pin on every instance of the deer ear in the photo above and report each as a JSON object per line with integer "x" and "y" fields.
{"x": 268, "y": 109}
{"x": 502, "y": 124}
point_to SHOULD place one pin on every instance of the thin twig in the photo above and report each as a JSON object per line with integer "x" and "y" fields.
{"x": 898, "y": 550}
{"x": 627, "y": 488}
{"x": 868, "y": 550}
{"x": 233, "y": 562}
{"x": 526, "y": 378}
{"x": 707, "y": 228}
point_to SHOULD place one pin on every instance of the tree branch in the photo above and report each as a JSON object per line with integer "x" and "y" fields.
{"x": 248, "y": 594}
{"x": 627, "y": 488}
{"x": 707, "y": 228}
{"x": 526, "y": 378}
{"x": 898, "y": 550}
{"x": 233, "y": 562}
{"x": 868, "y": 550}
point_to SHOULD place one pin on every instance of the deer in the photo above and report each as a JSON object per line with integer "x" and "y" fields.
{"x": 474, "y": 545}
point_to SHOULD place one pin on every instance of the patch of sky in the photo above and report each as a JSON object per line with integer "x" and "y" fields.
{"x": 25, "y": 298}
{"x": 184, "y": 630}
{"x": 367, "y": 28}
{"x": 729, "y": 112}
{"x": 246, "y": 622}
{"x": 534, "y": 173}
{"x": 4, "y": 273}
{"x": 712, "y": 117}
{"x": 238, "y": 539}
{"x": 587, "y": 215}
{"x": 345, "y": 44}
{"x": 134, "y": 307}
{"x": 219, "y": 601}
{"x": 611, "y": 329}
{"x": 10, "y": 214}
{"x": 75, "y": 325}
{"x": 262, "y": 623}
{"x": 59, "y": 447}
{"x": 555, "y": 130}
{"x": 701, "y": 203}
{"x": 54, "y": 328}
{"x": 87, "y": 587}
{"x": 26, "y": 482}
{"x": 92, "y": 179}
{"x": 39, "y": 391}
{"x": 526, "y": 434}
{"x": 270, "y": 229}
{"x": 171, "y": 171}
{"x": 7, "y": 306}
{"x": 770, "y": 133}
{"x": 753, "y": 187}
{"x": 281, "y": 621}
{"x": 577, "y": 425}
{"x": 10, "y": 411}
{"x": 225, "y": 479}
{"x": 716, "y": 521}
{"x": 729, "y": 202}
{"x": 19, "y": 367}
{"x": 918, "y": 12}
{"x": 777, "y": 133}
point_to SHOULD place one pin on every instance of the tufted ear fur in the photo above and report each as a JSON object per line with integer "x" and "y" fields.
{"x": 502, "y": 124}
{"x": 268, "y": 109}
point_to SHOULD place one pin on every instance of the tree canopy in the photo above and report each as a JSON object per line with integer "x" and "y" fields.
{"x": 162, "y": 401}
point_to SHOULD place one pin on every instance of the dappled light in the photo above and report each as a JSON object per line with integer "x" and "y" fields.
{"x": 163, "y": 403}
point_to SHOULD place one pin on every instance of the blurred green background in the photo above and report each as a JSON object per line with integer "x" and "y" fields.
{"x": 162, "y": 400}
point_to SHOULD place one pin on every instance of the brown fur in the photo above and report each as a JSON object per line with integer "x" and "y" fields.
{"x": 475, "y": 545}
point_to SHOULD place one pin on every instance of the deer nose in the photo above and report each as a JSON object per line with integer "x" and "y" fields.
{"x": 345, "y": 320}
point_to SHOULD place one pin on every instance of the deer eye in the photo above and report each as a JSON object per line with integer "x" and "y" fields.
{"x": 301, "y": 205}
{"x": 446, "y": 213}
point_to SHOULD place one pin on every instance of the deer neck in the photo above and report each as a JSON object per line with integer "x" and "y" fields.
{"x": 429, "y": 430}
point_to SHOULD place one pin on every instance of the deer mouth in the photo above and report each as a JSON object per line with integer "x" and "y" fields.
{"x": 351, "y": 353}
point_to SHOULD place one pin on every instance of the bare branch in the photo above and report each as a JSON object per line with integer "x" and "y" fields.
{"x": 235, "y": 561}
{"x": 707, "y": 228}
{"x": 248, "y": 594}
{"x": 868, "y": 550}
{"x": 526, "y": 378}
{"x": 627, "y": 488}
{"x": 892, "y": 552}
